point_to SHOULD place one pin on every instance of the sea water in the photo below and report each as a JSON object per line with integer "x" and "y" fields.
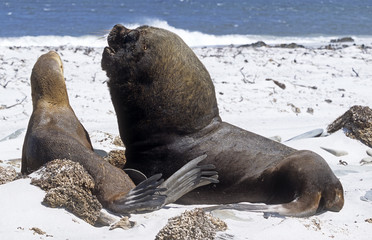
{"x": 198, "y": 22}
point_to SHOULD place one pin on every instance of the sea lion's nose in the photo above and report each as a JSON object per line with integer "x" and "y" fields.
{"x": 120, "y": 29}
{"x": 131, "y": 36}
{"x": 116, "y": 35}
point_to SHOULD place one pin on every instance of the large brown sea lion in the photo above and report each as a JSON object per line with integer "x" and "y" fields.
{"x": 54, "y": 132}
{"x": 167, "y": 114}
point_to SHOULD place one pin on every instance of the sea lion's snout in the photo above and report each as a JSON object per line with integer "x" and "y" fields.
{"x": 120, "y": 35}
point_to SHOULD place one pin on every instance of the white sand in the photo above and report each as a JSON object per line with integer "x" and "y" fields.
{"x": 245, "y": 98}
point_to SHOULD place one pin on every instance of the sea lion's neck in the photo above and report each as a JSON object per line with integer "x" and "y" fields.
{"x": 159, "y": 142}
{"x": 54, "y": 96}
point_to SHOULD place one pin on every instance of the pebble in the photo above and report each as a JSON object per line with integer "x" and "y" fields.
{"x": 336, "y": 152}
{"x": 366, "y": 160}
{"x": 369, "y": 152}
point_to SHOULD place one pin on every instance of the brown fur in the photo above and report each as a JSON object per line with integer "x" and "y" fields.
{"x": 167, "y": 114}
{"x": 55, "y": 132}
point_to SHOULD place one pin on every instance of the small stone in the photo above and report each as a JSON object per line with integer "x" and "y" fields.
{"x": 105, "y": 219}
{"x": 294, "y": 108}
{"x": 118, "y": 142}
{"x": 7, "y": 174}
{"x": 37, "y": 230}
{"x": 369, "y": 152}
{"x": 123, "y": 223}
{"x": 366, "y": 160}
{"x": 310, "y": 110}
{"x": 276, "y": 138}
{"x": 336, "y": 152}
{"x": 116, "y": 158}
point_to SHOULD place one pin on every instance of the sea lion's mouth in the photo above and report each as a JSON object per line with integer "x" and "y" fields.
{"x": 120, "y": 36}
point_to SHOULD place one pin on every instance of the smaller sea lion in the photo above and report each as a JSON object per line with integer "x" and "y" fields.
{"x": 54, "y": 132}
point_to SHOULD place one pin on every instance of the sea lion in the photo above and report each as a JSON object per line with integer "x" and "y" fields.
{"x": 54, "y": 132}
{"x": 167, "y": 113}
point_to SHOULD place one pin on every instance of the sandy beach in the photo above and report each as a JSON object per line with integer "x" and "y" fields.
{"x": 273, "y": 91}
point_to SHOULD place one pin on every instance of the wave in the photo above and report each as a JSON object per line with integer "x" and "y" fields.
{"x": 192, "y": 38}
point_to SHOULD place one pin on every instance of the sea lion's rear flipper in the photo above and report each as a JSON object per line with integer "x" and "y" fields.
{"x": 153, "y": 193}
{"x": 189, "y": 177}
{"x": 145, "y": 197}
{"x": 300, "y": 207}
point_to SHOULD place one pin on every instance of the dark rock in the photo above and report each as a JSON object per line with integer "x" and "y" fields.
{"x": 291, "y": 45}
{"x": 356, "y": 123}
{"x": 256, "y": 44}
{"x": 341, "y": 40}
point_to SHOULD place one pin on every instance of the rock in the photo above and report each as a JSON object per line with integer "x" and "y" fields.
{"x": 37, "y": 231}
{"x": 194, "y": 224}
{"x": 369, "y": 152}
{"x": 7, "y": 174}
{"x": 336, "y": 152}
{"x": 366, "y": 160}
{"x": 81, "y": 203}
{"x": 105, "y": 219}
{"x": 356, "y": 123}
{"x": 367, "y": 197}
{"x": 68, "y": 185}
{"x": 295, "y": 109}
{"x": 279, "y": 84}
{"x": 276, "y": 138}
{"x": 310, "y": 110}
{"x": 13, "y": 135}
{"x": 123, "y": 223}
{"x": 116, "y": 158}
{"x": 256, "y": 44}
{"x": 291, "y": 45}
{"x": 118, "y": 142}
{"x": 310, "y": 134}
{"x": 344, "y": 39}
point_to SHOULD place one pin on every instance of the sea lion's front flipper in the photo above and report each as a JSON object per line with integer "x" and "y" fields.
{"x": 145, "y": 197}
{"x": 189, "y": 177}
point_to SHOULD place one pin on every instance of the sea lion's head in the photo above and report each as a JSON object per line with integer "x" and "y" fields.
{"x": 47, "y": 80}
{"x": 157, "y": 84}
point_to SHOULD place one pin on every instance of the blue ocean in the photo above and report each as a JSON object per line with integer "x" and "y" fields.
{"x": 202, "y": 22}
